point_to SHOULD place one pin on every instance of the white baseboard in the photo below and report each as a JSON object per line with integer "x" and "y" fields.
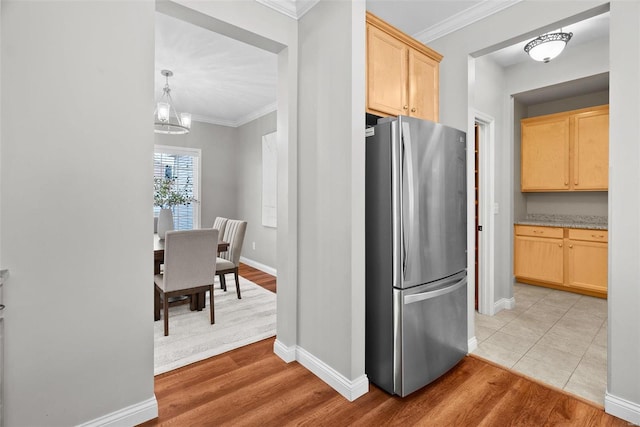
{"x": 288, "y": 354}
{"x": 472, "y": 345}
{"x": 350, "y": 389}
{"x": 504, "y": 303}
{"x": 622, "y": 408}
{"x": 129, "y": 416}
{"x": 255, "y": 264}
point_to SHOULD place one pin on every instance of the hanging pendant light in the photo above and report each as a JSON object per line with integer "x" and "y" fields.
{"x": 167, "y": 119}
{"x": 547, "y": 46}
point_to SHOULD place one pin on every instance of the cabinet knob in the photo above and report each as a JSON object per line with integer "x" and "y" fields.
{"x": 413, "y": 110}
{"x": 570, "y": 246}
{"x": 406, "y": 107}
{"x": 559, "y": 245}
{"x": 598, "y": 236}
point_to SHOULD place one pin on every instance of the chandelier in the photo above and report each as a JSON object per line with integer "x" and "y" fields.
{"x": 547, "y": 46}
{"x": 167, "y": 119}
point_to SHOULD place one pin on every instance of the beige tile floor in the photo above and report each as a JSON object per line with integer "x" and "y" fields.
{"x": 557, "y": 337}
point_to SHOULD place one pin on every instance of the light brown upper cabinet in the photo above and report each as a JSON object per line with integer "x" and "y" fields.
{"x": 402, "y": 73}
{"x": 566, "y": 151}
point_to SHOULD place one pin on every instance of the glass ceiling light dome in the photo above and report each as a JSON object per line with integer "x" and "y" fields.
{"x": 167, "y": 119}
{"x": 547, "y": 46}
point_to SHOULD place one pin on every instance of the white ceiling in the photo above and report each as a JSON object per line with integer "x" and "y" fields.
{"x": 584, "y": 31}
{"x": 223, "y": 81}
{"x": 217, "y": 79}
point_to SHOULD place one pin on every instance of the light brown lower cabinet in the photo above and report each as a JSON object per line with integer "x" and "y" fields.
{"x": 569, "y": 259}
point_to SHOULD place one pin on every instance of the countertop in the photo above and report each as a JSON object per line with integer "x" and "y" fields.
{"x": 567, "y": 221}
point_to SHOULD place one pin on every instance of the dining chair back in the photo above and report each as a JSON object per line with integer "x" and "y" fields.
{"x": 220, "y": 224}
{"x": 188, "y": 269}
{"x": 229, "y": 261}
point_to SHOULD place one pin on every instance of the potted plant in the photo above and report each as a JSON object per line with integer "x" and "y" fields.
{"x": 166, "y": 195}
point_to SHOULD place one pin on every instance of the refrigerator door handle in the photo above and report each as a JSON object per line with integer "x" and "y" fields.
{"x": 409, "y": 299}
{"x": 407, "y": 163}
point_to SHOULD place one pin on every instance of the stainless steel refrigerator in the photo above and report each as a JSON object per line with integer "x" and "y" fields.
{"x": 416, "y": 240}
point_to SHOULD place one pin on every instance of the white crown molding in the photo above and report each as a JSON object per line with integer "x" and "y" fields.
{"x": 292, "y": 8}
{"x": 462, "y": 19}
{"x": 257, "y": 114}
{"x": 240, "y": 121}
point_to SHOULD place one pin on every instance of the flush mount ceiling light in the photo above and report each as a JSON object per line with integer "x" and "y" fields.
{"x": 547, "y": 46}
{"x": 167, "y": 120}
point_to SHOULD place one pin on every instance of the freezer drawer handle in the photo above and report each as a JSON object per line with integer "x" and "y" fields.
{"x": 409, "y": 299}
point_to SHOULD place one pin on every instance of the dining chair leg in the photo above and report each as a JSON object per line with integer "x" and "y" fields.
{"x": 211, "y": 304}
{"x": 235, "y": 274}
{"x": 156, "y": 304}
{"x": 223, "y": 282}
{"x": 166, "y": 315}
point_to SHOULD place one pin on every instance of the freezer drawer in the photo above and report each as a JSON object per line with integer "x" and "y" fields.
{"x": 431, "y": 331}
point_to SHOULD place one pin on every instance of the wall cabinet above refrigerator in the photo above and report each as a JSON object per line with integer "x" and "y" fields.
{"x": 566, "y": 151}
{"x": 402, "y": 73}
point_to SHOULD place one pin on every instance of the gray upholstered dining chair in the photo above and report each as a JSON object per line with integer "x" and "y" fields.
{"x": 229, "y": 260}
{"x": 220, "y": 224}
{"x": 188, "y": 269}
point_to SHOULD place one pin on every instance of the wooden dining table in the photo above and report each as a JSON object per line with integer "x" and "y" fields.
{"x": 197, "y": 303}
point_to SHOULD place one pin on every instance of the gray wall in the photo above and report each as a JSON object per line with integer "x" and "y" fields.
{"x": 488, "y": 95}
{"x": 77, "y": 91}
{"x": 525, "y": 18}
{"x": 331, "y": 294}
{"x": 519, "y": 198}
{"x": 624, "y": 211}
{"x": 572, "y": 103}
{"x": 249, "y": 178}
{"x": 219, "y": 163}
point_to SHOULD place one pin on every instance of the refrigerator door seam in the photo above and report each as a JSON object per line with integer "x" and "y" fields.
{"x": 407, "y": 159}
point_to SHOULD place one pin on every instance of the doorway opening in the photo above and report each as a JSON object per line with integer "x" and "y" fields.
{"x": 277, "y": 241}
{"x": 484, "y": 209}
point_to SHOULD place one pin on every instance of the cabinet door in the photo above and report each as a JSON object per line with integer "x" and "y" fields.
{"x": 539, "y": 259}
{"x": 386, "y": 73}
{"x": 587, "y": 265}
{"x": 545, "y": 154}
{"x": 591, "y": 151}
{"x": 423, "y": 86}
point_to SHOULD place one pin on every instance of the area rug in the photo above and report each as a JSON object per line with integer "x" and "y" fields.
{"x": 239, "y": 322}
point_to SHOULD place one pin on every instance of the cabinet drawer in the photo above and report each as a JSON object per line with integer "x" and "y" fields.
{"x": 531, "y": 230}
{"x": 589, "y": 235}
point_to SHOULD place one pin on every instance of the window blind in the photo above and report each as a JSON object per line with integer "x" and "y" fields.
{"x": 182, "y": 165}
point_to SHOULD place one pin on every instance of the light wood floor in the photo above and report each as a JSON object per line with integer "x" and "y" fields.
{"x": 252, "y": 386}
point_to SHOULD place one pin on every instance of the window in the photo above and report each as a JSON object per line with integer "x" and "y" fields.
{"x": 183, "y": 164}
